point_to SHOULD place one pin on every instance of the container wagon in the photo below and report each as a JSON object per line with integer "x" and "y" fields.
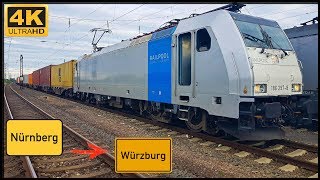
{"x": 45, "y": 78}
{"x": 62, "y": 78}
{"x": 30, "y": 80}
{"x": 36, "y": 79}
{"x": 304, "y": 40}
{"x": 25, "y": 80}
{"x": 18, "y": 80}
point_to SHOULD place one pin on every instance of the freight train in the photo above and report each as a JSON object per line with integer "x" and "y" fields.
{"x": 56, "y": 79}
{"x": 219, "y": 71}
{"x": 305, "y": 41}
{"x": 18, "y": 79}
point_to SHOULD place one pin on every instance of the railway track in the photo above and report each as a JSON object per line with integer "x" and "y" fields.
{"x": 265, "y": 149}
{"x": 276, "y": 150}
{"x": 67, "y": 165}
{"x": 268, "y": 149}
{"x": 15, "y": 166}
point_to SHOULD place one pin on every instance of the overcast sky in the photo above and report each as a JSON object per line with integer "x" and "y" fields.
{"x": 66, "y": 43}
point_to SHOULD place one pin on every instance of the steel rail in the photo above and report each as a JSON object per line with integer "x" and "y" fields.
{"x": 30, "y": 172}
{"x": 106, "y": 156}
{"x": 293, "y": 144}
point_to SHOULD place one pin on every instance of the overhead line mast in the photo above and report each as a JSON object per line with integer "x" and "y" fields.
{"x": 21, "y": 71}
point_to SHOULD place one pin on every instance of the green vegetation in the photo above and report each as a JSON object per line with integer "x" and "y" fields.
{"x": 7, "y": 81}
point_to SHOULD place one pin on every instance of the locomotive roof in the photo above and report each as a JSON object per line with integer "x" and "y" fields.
{"x": 159, "y": 33}
{"x": 163, "y": 31}
{"x": 306, "y": 30}
{"x": 147, "y": 36}
{"x": 253, "y": 19}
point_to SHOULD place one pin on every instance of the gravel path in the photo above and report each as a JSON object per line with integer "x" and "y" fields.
{"x": 190, "y": 159}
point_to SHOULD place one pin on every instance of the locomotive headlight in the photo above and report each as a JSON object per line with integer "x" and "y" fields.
{"x": 260, "y": 88}
{"x": 296, "y": 87}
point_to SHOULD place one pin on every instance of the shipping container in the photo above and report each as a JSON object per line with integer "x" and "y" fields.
{"x": 30, "y": 79}
{"x": 25, "y": 79}
{"x": 36, "y": 78}
{"x": 62, "y": 77}
{"x": 45, "y": 77}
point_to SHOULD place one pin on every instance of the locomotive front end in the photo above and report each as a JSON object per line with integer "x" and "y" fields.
{"x": 276, "y": 79}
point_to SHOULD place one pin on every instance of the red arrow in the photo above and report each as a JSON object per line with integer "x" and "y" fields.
{"x": 96, "y": 151}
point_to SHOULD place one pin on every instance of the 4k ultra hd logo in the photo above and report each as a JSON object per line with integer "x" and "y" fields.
{"x": 26, "y": 20}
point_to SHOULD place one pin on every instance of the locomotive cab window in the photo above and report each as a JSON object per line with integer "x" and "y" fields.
{"x": 203, "y": 40}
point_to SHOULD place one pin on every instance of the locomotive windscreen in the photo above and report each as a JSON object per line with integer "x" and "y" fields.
{"x": 261, "y": 33}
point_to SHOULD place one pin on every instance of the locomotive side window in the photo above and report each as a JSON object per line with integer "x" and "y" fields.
{"x": 203, "y": 40}
{"x": 185, "y": 59}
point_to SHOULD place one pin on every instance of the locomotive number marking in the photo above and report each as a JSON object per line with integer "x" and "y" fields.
{"x": 279, "y": 87}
